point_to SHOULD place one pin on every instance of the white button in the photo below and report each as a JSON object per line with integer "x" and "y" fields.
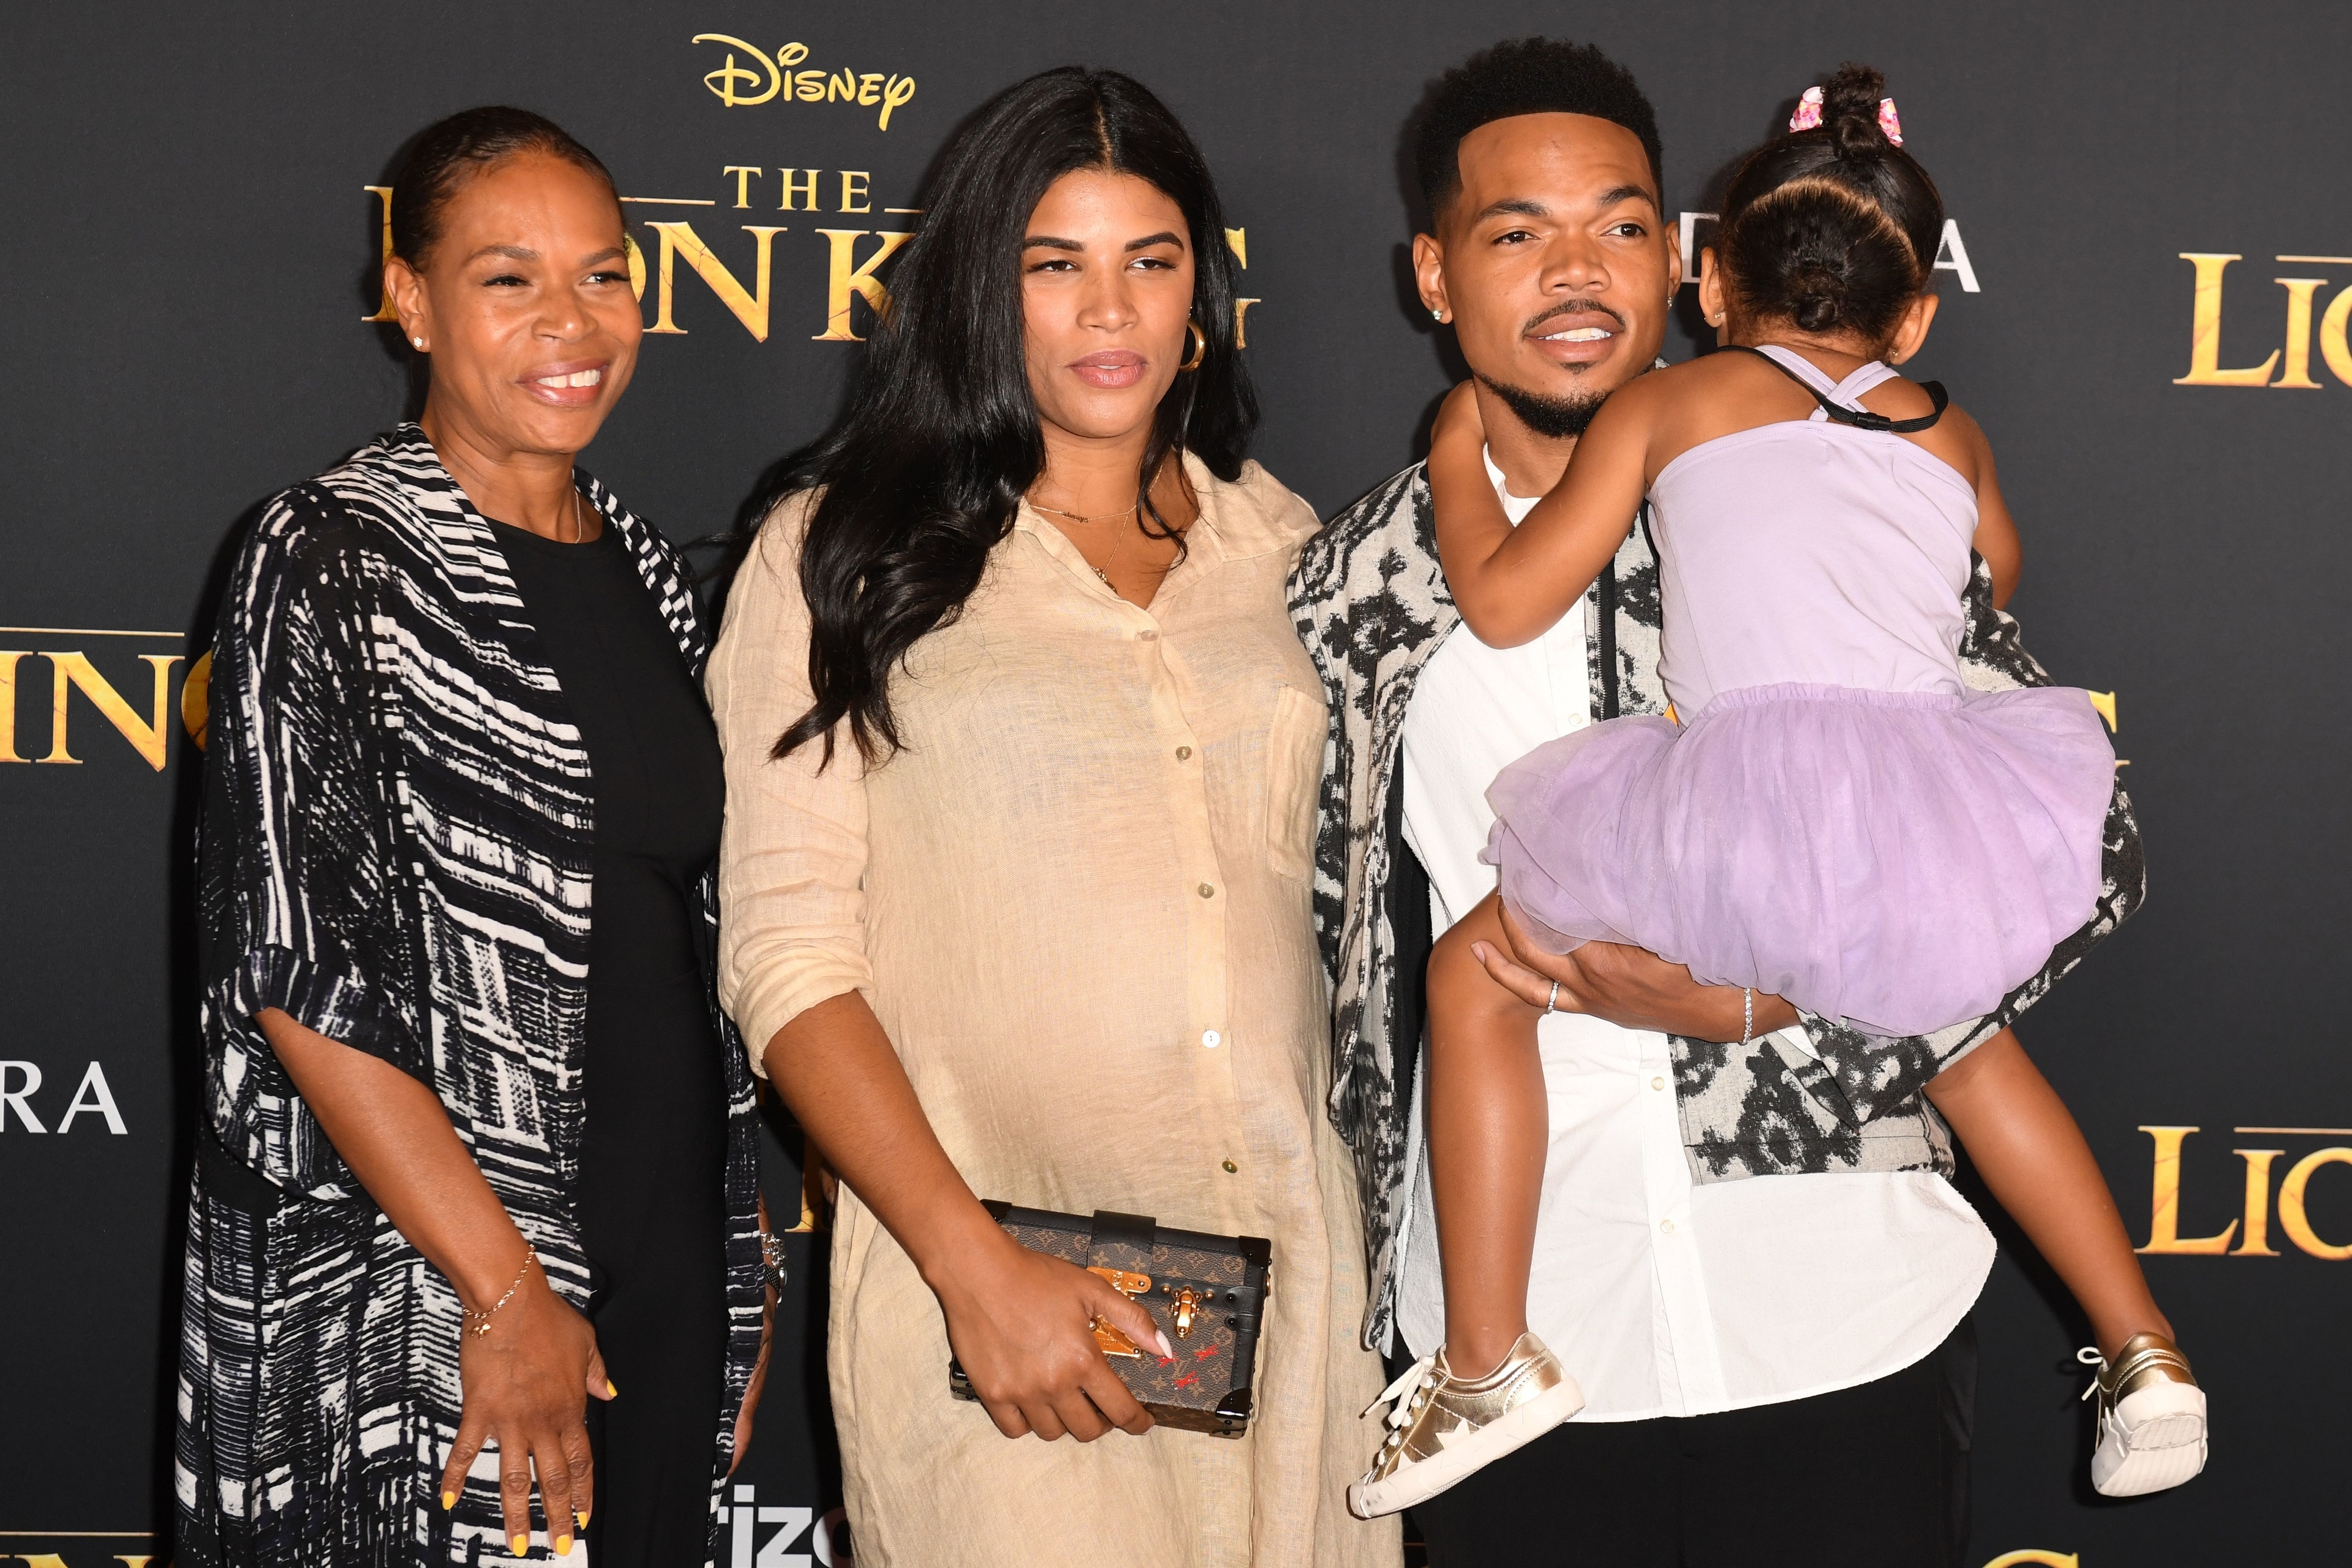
{"x": 1211, "y": 1038}
{"x": 1657, "y": 1084}
{"x": 1667, "y": 1226}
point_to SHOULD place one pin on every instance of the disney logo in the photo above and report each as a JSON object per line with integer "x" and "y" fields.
{"x": 772, "y": 78}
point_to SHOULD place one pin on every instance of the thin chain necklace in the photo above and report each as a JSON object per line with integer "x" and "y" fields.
{"x": 1135, "y": 511}
{"x": 1129, "y": 511}
{"x": 579, "y": 518}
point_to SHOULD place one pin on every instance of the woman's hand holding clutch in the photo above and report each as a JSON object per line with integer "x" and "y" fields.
{"x": 1022, "y": 1327}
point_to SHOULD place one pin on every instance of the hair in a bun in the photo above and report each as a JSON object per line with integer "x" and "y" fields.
{"x": 1833, "y": 227}
{"x": 1850, "y": 112}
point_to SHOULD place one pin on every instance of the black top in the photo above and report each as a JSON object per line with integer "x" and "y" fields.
{"x": 658, "y": 785}
{"x": 655, "y": 1143}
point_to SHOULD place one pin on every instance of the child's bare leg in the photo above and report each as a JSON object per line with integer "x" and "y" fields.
{"x": 1488, "y": 1126}
{"x": 2031, "y": 1154}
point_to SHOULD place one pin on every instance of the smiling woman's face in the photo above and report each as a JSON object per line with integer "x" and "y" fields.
{"x": 524, "y": 304}
{"x": 1105, "y": 291}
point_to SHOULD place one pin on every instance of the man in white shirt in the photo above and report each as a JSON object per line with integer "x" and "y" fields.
{"x": 1747, "y": 1252}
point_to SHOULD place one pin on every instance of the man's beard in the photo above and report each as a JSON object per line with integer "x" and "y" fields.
{"x": 1554, "y": 418}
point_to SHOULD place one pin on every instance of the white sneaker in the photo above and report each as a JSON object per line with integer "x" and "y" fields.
{"x": 1442, "y": 1427}
{"x": 2151, "y": 1425}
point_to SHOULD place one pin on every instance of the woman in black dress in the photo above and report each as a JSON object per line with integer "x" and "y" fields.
{"x": 477, "y": 1144}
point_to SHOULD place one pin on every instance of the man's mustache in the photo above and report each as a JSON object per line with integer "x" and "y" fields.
{"x": 1574, "y": 307}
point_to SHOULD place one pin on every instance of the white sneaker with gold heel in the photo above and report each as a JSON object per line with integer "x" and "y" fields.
{"x": 2151, "y": 1422}
{"x": 1442, "y": 1427}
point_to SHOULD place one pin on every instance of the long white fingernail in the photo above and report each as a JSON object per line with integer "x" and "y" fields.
{"x": 1165, "y": 1348}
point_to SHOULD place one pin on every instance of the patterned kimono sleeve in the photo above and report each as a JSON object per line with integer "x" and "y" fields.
{"x": 1866, "y": 1075}
{"x": 301, "y": 804}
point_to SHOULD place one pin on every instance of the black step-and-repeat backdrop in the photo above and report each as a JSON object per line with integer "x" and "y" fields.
{"x": 2148, "y": 232}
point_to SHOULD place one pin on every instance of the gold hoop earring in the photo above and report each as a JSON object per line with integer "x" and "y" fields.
{"x": 1199, "y": 347}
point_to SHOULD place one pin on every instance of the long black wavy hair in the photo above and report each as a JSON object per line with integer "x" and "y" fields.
{"x": 922, "y": 471}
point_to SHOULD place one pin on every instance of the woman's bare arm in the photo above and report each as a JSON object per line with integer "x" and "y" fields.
{"x": 1017, "y": 1320}
{"x": 1512, "y": 585}
{"x": 526, "y": 1380}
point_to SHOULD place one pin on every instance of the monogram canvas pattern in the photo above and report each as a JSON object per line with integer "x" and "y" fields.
{"x": 1371, "y": 604}
{"x": 395, "y": 849}
{"x": 1213, "y": 1354}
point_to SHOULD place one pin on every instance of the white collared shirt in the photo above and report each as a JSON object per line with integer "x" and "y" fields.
{"x": 1662, "y": 1296}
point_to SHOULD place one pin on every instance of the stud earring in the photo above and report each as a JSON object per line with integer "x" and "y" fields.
{"x": 418, "y": 341}
{"x": 1435, "y": 314}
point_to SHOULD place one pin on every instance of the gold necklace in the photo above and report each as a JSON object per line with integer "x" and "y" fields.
{"x": 579, "y": 517}
{"x": 1129, "y": 511}
{"x": 1135, "y": 511}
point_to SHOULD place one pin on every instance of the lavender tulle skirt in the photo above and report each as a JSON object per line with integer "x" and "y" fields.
{"x": 1898, "y": 860}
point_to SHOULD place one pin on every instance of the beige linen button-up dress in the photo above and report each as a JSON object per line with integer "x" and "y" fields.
{"x": 1079, "y": 903}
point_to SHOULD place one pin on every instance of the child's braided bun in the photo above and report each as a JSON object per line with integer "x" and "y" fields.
{"x": 1832, "y": 228}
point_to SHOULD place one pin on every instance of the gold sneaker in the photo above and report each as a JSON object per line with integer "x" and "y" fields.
{"x": 2151, "y": 1425}
{"x": 1442, "y": 1428}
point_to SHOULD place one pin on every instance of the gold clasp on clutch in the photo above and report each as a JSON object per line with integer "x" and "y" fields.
{"x": 1130, "y": 1285}
{"x": 1188, "y": 1301}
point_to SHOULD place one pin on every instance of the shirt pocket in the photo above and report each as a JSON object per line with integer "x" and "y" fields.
{"x": 1293, "y": 778}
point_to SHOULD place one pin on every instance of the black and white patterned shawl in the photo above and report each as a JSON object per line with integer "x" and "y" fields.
{"x": 395, "y": 849}
{"x": 1370, "y": 602}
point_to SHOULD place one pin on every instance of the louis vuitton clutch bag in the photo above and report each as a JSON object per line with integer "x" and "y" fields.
{"x": 1206, "y": 1292}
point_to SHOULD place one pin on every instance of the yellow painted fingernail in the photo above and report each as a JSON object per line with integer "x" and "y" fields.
{"x": 522, "y": 1545}
{"x": 579, "y": 1519}
{"x": 611, "y": 1392}
{"x": 448, "y": 1500}
{"x": 563, "y": 1545}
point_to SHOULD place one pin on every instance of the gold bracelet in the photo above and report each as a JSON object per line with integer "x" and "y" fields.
{"x": 479, "y": 1324}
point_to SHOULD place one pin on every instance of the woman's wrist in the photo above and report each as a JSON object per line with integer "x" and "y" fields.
{"x": 966, "y": 1240}
{"x": 493, "y": 1275}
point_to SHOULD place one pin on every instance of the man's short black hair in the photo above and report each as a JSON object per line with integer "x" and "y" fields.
{"x": 1525, "y": 75}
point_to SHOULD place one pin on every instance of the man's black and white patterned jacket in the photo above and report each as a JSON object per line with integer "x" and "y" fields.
{"x": 1371, "y": 606}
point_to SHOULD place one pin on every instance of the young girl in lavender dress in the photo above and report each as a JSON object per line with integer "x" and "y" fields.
{"x": 1826, "y": 814}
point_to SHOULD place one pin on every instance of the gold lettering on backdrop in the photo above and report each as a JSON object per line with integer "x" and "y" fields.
{"x": 2257, "y": 1243}
{"x": 726, "y": 80}
{"x": 858, "y": 191}
{"x": 2205, "y": 329}
{"x": 750, "y": 305}
{"x": 2164, "y": 1205}
{"x": 2332, "y": 346}
{"x": 845, "y": 279}
{"x": 2293, "y": 1220}
{"x": 9, "y": 657}
{"x": 772, "y": 78}
{"x": 147, "y": 739}
{"x": 382, "y": 193}
{"x": 743, "y": 175}
{"x": 1237, "y": 241}
{"x": 2034, "y": 1557}
{"x": 1240, "y": 321}
{"x": 195, "y": 699}
{"x": 2299, "y": 291}
{"x": 794, "y": 187}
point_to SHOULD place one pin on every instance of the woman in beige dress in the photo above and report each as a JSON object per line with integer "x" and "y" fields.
{"x": 1021, "y": 760}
